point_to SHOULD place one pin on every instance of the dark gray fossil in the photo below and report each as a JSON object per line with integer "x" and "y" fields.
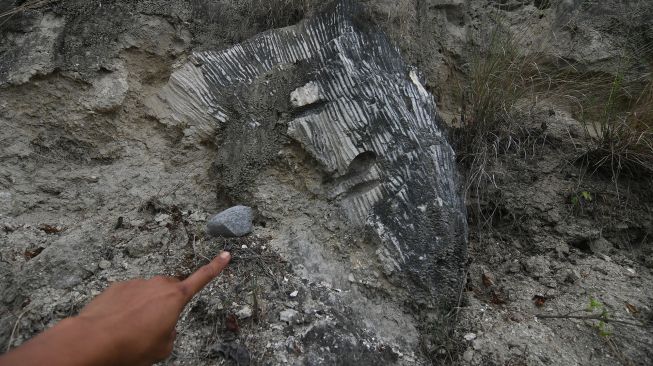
{"x": 339, "y": 88}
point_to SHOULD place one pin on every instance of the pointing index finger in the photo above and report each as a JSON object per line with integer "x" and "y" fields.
{"x": 196, "y": 281}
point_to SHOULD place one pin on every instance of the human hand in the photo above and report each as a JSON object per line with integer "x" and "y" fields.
{"x": 131, "y": 323}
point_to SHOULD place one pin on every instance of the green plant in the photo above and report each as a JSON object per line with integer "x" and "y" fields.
{"x": 580, "y": 200}
{"x": 602, "y": 317}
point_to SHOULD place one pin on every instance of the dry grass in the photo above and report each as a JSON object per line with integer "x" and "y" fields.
{"x": 25, "y": 6}
{"x": 505, "y": 81}
{"x": 621, "y": 127}
{"x": 500, "y": 77}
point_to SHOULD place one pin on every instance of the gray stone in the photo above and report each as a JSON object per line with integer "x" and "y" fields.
{"x": 232, "y": 222}
{"x": 537, "y": 266}
{"x": 572, "y": 276}
{"x": 308, "y": 94}
{"x": 108, "y": 91}
{"x": 601, "y": 245}
{"x": 244, "y": 312}
{"x": 104, "y": 264}
{"x": 288, "y": 315}
{"x": 468, "y": 356}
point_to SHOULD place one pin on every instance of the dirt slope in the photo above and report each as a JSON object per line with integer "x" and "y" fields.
{"x": 95, "y": 188}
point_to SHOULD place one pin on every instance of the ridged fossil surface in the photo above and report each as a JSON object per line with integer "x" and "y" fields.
{"x": 343, "y": 92}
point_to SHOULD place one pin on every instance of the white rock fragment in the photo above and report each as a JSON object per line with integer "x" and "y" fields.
{"x": 469, "y": 336}
{"x": 162, "y": 219}
{"x": 294, "y": 293}
{"x": 288, "y": 315}
{"x": 305, "y": 95}
{"x": 108, "y": 92}
{"x": 244, "y": 312}
{"x": 468, "y": 356}
{"x": 197, "y": 216}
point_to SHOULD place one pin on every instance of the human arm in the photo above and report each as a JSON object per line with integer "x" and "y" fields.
{"x": 131, "y": 323}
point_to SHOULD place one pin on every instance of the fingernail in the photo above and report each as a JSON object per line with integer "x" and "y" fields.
{"x": 225, "y": 255}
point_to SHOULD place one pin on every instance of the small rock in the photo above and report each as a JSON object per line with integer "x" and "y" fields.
{"x": 288, "y": 315}
{"x": 600, "y": 269}
{"x": 197, "y": 216}
{"x": 8, "y": 227}
{"x": 572, "y": 276}
{"x": 468, "y": 356}
{"x": 631, "y": 272}
{"x": 104, "y": 264}
{"x": 294, "y": 293}
{"x": 244, "y": 312}
{"x": 477, "y": 344}
{"x": 351, "y": 278}
{"x": 649, "y": 261}
{"x": 600, "y": 245}
{"x": 232, "y": 222}
{"x": 305, "y": 95}
{"x": 469, "y": 336}
{"x": 513, "y": 267}
{"x": 537, "y": 266}
{"x": 108, "y": 92}
{"x": 162, "y": 219}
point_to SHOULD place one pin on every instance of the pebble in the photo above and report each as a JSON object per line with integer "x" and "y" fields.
{"x": 469, "y": 336}
{"x": 468, "y": 356}
{"x": 294, "y": 293}
{"x": 197, "y": 216}
{"x": 477, "y": 344}
{"x": 162, "y": 217}
{"x": 244, "y": 312}
{"x": 232, "y": 222}
{"x": 572, "y": 276}
{"x": 351, "y": 278}
{"x": 631, "y": 272}
{"x": 105, "y": 264}
{"x": 9, "y": 227}
{"x": 288, "y": 315}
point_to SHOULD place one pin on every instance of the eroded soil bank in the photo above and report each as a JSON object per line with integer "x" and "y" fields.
{"x": 95, "y": 187}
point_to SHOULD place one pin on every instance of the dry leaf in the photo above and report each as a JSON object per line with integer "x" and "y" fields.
{"x": 49, "y": 229}
{"x": 631, "y": 308}
{"x": 497, "y": 297}
{"x": 232, "y": 323}
{"x": 539, "y": 300}
{"x": 31, "y": 253}
{"x": 488, "y": 279}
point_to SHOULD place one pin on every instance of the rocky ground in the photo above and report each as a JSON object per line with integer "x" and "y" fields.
{"x": 95, "y": 188}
